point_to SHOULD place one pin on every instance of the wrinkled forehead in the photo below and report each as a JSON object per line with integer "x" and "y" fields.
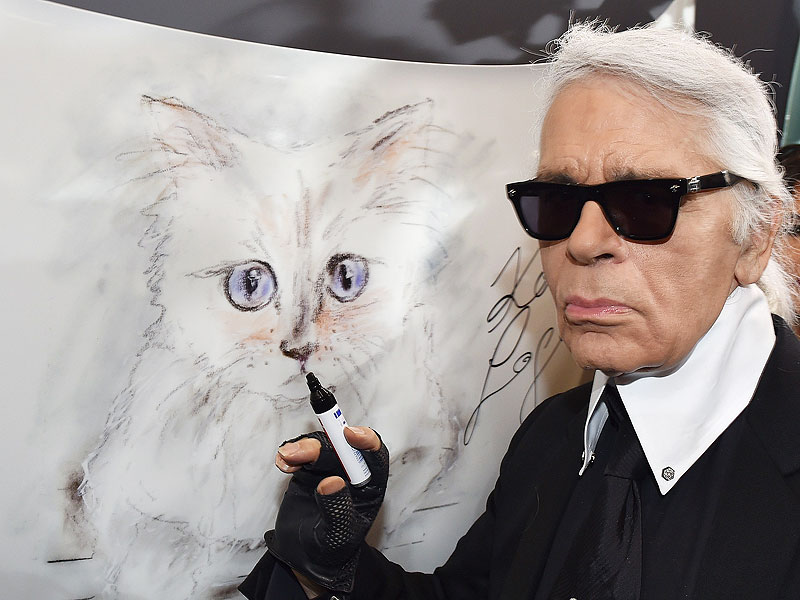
{"x": 604, "y": 122}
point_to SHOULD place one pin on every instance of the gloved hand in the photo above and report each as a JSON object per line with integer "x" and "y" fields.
{"x": 320, "y": 534}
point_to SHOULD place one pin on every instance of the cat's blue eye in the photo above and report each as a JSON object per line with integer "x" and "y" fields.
{"x": 347, "y": 276}
{"x": 250, "y": 286}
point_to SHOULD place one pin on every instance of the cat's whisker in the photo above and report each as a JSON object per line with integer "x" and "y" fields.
{"x": 379, "y": 344}
{"x": 354, "y": 390}
{"x": 357, "y": 366}
{"x": 347, "y": 366}
{"x": 211, "y": 387}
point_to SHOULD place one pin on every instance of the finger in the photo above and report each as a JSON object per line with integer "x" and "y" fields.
{"x": 376, "y": 455}
{"x": 284, "y": 466}
{"x": 338, "y": 528}
{"x": 299, "y": 452}
{"x": 330, "y": 485}
{"x": 362, "y": 438}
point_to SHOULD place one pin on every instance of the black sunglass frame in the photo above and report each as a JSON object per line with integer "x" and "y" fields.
{"x": 673, "y": 190}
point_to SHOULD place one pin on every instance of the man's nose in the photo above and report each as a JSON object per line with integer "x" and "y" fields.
{"x": 593, "y": 239}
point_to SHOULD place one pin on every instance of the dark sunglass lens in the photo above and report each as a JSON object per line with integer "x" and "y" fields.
{"x": 641, "y": 210}
{"x": 550, "y": 211}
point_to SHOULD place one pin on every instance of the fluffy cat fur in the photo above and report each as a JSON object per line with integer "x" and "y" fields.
{"x": 267, "y": 262}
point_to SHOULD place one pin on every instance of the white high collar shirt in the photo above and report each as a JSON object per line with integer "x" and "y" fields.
{"x": 679, "y": 413}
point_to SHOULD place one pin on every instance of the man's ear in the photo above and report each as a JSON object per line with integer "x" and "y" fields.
{"x": 757, "y": 250}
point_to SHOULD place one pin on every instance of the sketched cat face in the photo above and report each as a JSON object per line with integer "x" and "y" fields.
{"x": 252, "y": 286}
{"x": 295, "y": 259}
{"x": 267, "y": 263}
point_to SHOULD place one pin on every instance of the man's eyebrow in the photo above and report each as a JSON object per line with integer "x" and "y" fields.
{"x": 555, "y": 177}
{"x": 629, "y": 174}
{"x": 616, "y": 175}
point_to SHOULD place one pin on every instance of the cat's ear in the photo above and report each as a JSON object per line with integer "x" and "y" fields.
{"x": 188, "y": 137}
{"x": 393, "y": 140}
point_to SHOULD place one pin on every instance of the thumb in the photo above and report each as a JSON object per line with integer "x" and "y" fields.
{"x": 335, "y": 529}
{"x": 330, "y": 485}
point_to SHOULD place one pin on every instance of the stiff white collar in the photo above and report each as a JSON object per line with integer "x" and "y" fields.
{"x": 677, "y": 415}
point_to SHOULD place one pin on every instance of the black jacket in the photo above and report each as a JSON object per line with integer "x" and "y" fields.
{"x": 753, "y": 550}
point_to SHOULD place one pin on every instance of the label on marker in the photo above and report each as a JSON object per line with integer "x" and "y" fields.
{"x": 353, "y": 462}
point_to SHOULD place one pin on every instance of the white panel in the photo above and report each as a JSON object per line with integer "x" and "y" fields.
{"x": 151, "y": 180}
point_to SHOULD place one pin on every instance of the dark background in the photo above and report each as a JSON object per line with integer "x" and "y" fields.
{"x": 764, "y": 32}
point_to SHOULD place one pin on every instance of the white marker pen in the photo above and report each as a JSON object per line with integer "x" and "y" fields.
{"x": 332, "y": 420}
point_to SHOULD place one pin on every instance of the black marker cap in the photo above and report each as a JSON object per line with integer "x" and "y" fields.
{"x": 322, "y": 400}
{"x": 312, "y": 381}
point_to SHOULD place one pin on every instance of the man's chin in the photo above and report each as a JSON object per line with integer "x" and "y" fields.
{"x": 604, "y": 355}
{"x": 607, "y": 369}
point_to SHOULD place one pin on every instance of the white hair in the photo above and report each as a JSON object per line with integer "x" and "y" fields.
{"x": 688, "y": 74}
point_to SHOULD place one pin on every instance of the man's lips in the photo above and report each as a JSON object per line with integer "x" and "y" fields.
{"x": 577, "y": 308}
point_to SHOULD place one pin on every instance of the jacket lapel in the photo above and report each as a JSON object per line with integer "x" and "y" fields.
{"x": 534, "y": 546}
{"x": 756, "y": 531}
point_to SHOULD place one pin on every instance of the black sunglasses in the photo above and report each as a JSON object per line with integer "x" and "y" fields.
{"x": 637, "y": 209}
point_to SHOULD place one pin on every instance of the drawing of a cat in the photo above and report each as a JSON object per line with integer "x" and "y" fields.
{"x": 266, "y": 263}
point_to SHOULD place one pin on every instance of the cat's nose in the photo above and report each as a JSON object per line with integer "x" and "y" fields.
{"x": 298, "y": 353}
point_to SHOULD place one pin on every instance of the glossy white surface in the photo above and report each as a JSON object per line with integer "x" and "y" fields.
{"x": 123, "y": 352}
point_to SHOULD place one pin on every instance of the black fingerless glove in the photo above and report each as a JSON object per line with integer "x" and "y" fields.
{"x": 320, "y": 535}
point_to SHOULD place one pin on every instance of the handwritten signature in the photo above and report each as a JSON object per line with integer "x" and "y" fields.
{"x": 512, "y": 313}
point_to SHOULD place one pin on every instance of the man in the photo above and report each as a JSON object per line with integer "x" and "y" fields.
{"x": 676, "y": 472}
{"x": 790, "y": 160}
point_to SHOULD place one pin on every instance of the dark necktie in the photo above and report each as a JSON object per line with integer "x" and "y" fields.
{"x": 605, "y": 559}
